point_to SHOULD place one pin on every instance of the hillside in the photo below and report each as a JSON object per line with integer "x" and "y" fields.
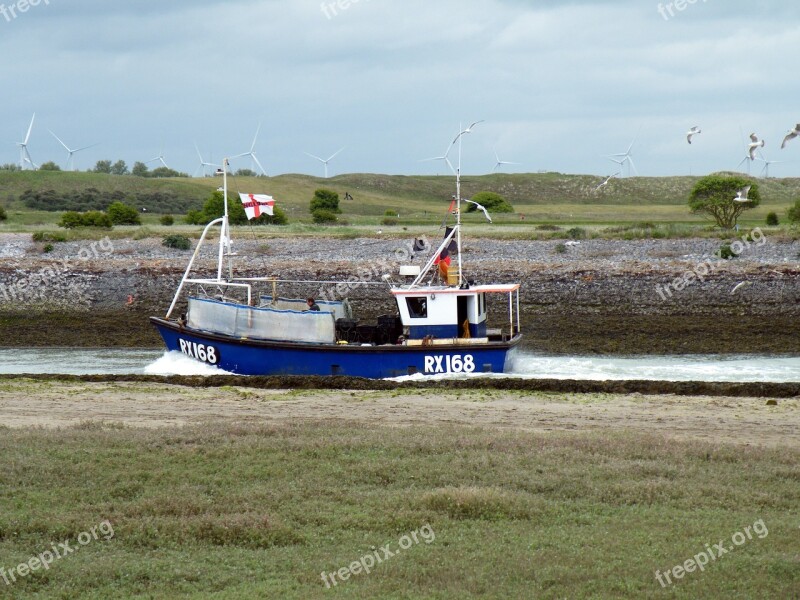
{"x": 374, "y": 193}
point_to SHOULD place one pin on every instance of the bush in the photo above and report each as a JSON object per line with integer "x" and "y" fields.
{"x": 576, "y": 233}
{"x": 48, "y": 248}
{"x": 178, "y": 242}
{"x": 548, "y": 228}
{"x": 122, "y": 214}
{"x": 726, "y": 252}
{"x": 793, "y": 213}
{"x": 492, "y": 202}
{"x": 325, "y": 200}
{"x": 92, "y": 218}
{"x": 772, "y": 219}
{"x": 390, "y": 213}
{"x": 45, "y": 236}
{"x": 3, "y": 215}
{"x": 561, "y": 248}
{"x": 390, "y": 221}
{"x": 167, "y": 220}
{"x": 195, "y": 217}
{"x": 324, "y": 217}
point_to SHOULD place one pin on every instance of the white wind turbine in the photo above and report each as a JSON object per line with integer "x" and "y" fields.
{"x": 203, "y": 164}
{"x": 326, "y": 161}
{"x": 445, "y": 156}
{"x": 24, "y": 155}
{"x": 252, "y": 152}
{"x": 500, "y": 163}
{"x": 70, "y": 152}
{"x": 159, "y": 158}
{"x": 767, "y": 163}
{"x": 625, "y": 157}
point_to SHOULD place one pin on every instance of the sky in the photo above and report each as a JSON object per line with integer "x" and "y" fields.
{"x": 558, "y": 84}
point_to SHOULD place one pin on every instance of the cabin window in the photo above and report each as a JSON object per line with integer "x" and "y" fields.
{"x": 417, "y": 307}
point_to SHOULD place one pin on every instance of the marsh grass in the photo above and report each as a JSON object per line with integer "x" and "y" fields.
{"x": 258, "y": 510}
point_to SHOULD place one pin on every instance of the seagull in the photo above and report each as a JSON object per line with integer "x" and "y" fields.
{"x": 485, "y": 212}
{"x": 609, "y": 178}
{"x": 741, "y": 195}
{"x": 757, "y": 143}
{"x": 790, "y": 135}
{"x": 572, "y": 243}
{"x": 692, "y": 132}
{"x": 740, "y": 284}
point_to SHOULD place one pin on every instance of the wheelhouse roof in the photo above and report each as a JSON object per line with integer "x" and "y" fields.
{"x": 501, "y": 288}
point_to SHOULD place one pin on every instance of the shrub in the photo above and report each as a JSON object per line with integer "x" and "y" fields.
{"x": 48, "y": 248}
{"x": 772, "y": 219}
{"x": 725, "y": 252}
{"x": 548, "y": 228}
{"x": 92, "y": 218}
{"x": 3, "y": 215}
{"x": 46, "y": 236}
{"x": 324, "y": 217}
{"x": 390, "y": 213}
{"x": 325, "y": 200}
{"x": 793, "y": 213}
{"x": 195, "y": 217}
{"x": 561, "y": 248}
{"x": 178, "y": 242}
{"x": 122, "y": 214}
{"x": 576, "y": 233}
{"x": 167, "y": 220}
{"x": 492, "y": 202}
{"x": 390, "y": 221}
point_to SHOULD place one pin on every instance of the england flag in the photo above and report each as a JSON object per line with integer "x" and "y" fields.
{"x": 256, "y": 205}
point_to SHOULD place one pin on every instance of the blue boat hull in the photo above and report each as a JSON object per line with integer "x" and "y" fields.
{"x": 255, "y": 357}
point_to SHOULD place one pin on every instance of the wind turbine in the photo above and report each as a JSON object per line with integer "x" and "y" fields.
{"x": 445, "y": 156}
{"x": 625, "y": 157}
{"x": 203, "y": 164}
{"x": 24, "y": 155}
{"x": 326, "y": 161}
{"x": 501, "y": 162}
{"x": 160, "y": 158}
{"x": 252, "y": 152}
{"x": 767, "y": 163}
{"x": 70, "y": 151}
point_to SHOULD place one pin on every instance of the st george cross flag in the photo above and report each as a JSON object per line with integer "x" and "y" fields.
{"x": 256, "y": 205}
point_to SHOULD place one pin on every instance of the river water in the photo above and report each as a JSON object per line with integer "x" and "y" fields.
{"x": 122, "y": 361}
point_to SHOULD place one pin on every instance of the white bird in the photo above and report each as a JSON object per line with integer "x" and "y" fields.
{"x": 572, "y": 243}
{"x": 485, "y": 212}
{"x": 739, "y": 285}
{"x": 692, "y": 132}
{"x": 756, "y": 143}
{"x": 741, "y": 195}
{"x": 609, "y": 178}
{"x": 790, "y": 135}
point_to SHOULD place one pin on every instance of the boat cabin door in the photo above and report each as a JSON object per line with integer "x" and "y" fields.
{"x": 463, "y": 317}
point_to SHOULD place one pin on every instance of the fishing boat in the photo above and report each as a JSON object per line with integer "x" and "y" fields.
{"x": 441, "y": 325}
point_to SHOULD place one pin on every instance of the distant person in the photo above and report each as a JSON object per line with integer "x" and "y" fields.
{"x": 312, "y": 305}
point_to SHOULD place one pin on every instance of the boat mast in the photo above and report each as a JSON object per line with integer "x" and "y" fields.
{"x": 223, "y": 234}
{"x": 458, "y": 208}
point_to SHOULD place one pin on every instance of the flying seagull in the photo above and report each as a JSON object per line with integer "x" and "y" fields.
{"x": 756, "y": 143}
{"x": 790, "y": 135}
{"x": 741, "y": 195}
{"x": 485, "y": 212}
{"x": 739, "y": 285}
{"x": 692, "y": 132}
{"x": 609, "y": 178}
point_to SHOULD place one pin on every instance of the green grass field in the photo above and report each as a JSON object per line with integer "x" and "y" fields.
{"x": 261, "y": 511}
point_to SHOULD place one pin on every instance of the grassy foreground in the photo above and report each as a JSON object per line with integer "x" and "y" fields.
{"x": 246, "y": 511}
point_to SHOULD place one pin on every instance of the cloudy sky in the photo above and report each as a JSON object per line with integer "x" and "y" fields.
{"x": 560, "y": 84}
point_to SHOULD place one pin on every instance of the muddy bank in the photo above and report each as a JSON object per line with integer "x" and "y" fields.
{"x": 597, "y": 298}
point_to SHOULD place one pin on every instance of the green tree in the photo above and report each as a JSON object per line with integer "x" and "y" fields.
{"x": 119, "y": 168}
{"x": 140, "y": 169}
{"x": 492, "y": 202}
{"x": 714, "y": 195}
{"x": 122, "y": 214}
{"x": 9, "y": 167}
{"x": 246, "y": 173}
{"x": 772, "y": 219}
{"x": 49, "y": 166}
{"x": 92, "y": 218}
{"x": 103, "y": 166}
{"x": 323, "y": 216}
{"x": 325, "y": 200}
{"x": 167, "y": 220}
{"x": 793, "y": 214}
{"x": 166, "y": 172}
